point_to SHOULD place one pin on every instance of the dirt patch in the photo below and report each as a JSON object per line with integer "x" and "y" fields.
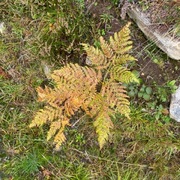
{"x": 99, "y": 8}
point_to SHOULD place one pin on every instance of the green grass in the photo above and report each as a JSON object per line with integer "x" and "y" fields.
{"x": 141, "y": 148}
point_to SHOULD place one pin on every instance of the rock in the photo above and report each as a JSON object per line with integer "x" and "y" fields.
{"x": 46, "y": 69}
{"x": 170, "y": 45}
{"x": 175, "y": 105}
{"x": 2, "y": 28}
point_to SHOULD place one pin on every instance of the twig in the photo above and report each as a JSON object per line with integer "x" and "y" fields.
{"x": 104, "y": 159}
{"x": 78, "y": 120}
{"x": 89, "y": 7}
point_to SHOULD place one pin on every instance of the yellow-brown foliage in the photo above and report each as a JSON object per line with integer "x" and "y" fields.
{"x": 96, "y": 89}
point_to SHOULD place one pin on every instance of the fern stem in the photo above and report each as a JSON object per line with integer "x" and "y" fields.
{"x": 78, "y": 120}
{"x": 107, "y": 72}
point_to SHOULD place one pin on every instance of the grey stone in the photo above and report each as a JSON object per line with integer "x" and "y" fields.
{"x": 175, "y": 105}
{"x": 2, "y": 28}
{"x": 169, "y": 44}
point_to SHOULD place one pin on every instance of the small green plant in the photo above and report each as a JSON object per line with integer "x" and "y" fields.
{"x": 28, "y": 165}
{"x": 115, "y": 2}
{"x": 163, "y": 93}
{"x": 106, "y": 20}
{"x": 135, "y": 90}
{"x": 81, "y": 3}
{"x": 79, "y": 138}
{"x": 172, "y": 86}
{"x": 145, "y": 92}
{"x": 144, "y": 4}
{"x": 101, "y": 32}
{"x": 158, "y": 112}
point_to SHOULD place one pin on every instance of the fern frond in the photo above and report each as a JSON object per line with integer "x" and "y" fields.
{"x": 122, "y": 59}
{"x": 76, "y": 76}
{"x": 72, "y": 104}
{"x": 45, "y": 115}
{"x": 51, "y": 96}
{"x": 121, "y": 43}
{"x": 59, "y": 139}
{"x": 79, "y": 84}
{"x": 69, "y": 101}
{"x": 95, "y": 105}
{"x": 54, "y": 127}
{"x": 43, "y": 94}
{"x": 103, "y": 124}
{"x": 127, "y": 77}
{"x": 57, "y": 129}
{"x": 116, "y": 97}
{"x": 96, "y": 56}
{"x": 92, "y": 89}
{"x": 106, "y": 49}
{"x": 122, "y": 74}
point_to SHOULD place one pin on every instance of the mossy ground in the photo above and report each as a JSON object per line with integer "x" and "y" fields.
{"x": 42, "y": 36}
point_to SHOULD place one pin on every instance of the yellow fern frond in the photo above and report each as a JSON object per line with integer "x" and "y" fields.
{"x": 45, "y": 115}
{"x": 103, "y": 124}
{"x": 54, "y": 127}
{"x": 121, "y": 43}
{"x": 59, "y": 139}
{"x": 122, "y": 74}
{"x": 128, "y": 77}
{"x": 51, "y": 96}
{"x": 122, "y": 59}
{"x": 93, "y": 90}
{"x": 58, "y": 125}
{"x": 106, "y": 49}
{"x": 43, "y": 94}
{"x": 75, "y": 76}
{"x": 96, "y": 104}
{"x": 116, "y": 97}
{"x": 72, "y": 104}
{"x": 96, "y": 57}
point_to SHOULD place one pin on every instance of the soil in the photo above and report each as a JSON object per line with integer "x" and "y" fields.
{"x": 145, "y": 51}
